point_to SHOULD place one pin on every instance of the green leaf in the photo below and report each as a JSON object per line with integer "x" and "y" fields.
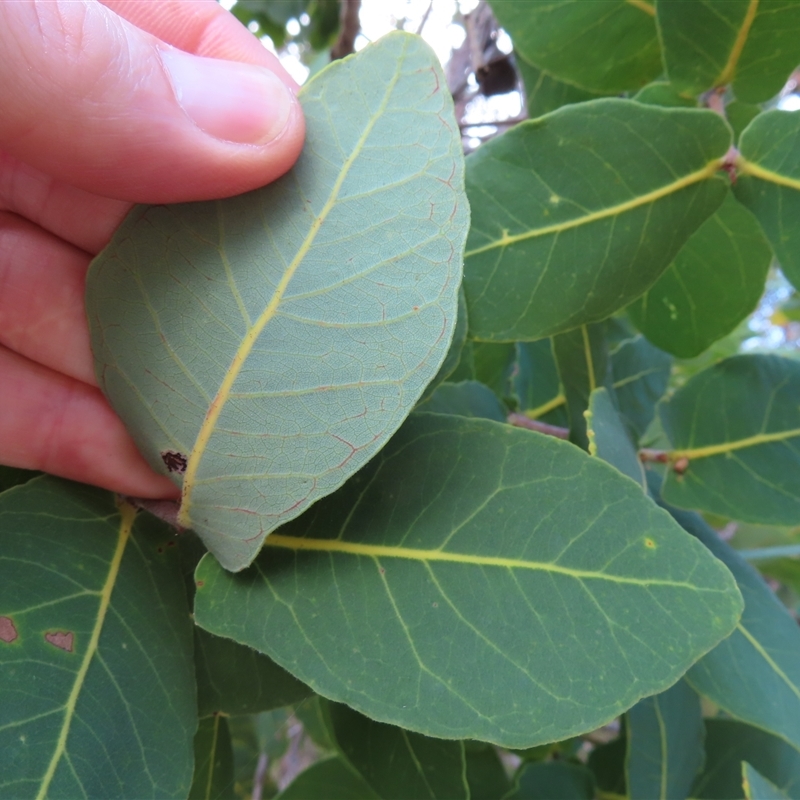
{"x": 608, "y": 438}
{"x": 750, "y": 43}
{"x": 535, "y": 383}
{"x": 712, "y": 285}
{"x": 213, "y": 761}
{"x": 11, "y": 476}
{"x": 273, "y": 342}
{"x": 95, "y": 649}
{"x": 640, "y": 377}
{"x": 621, "y": 183}
{"x": 554, "y": 780}
{"x": 662, "y": 93}
{"x": 466, "y": 399}
{"x": 331, "y": 777}
{"x": 544, "y": 93}
{"x": 582, "y": 359}
{"x": 740, "y": 115}
{"x": 738, "y": 425}
{"x": 728, "y": 744}
{"x": 470, "y": 544}
{"x": 399, "y": 764}
{"x": 453, "y": 357}
{"x": 486, "y": 775}
{"x": 757, "y": 787}
{"x": 607, "y": 763}
{"x": 769, "y": 182}
{"x": 235, "y": 679}
{"x": 604, "y": 46}
{"x": 665, "y": 744}
{"x": 754, "y": 674}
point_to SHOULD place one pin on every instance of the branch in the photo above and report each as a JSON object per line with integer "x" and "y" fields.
{"x": 521, "y": 421}
{"x": 349, "y": 27}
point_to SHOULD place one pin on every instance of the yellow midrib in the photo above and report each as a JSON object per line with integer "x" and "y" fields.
{"x": 250, "y": 338}
{"x": 642, "y": 6}
{"x": 727, "y": 447}
{"x": 427, "y": 556}
{"x": 127, "y": 517}
{"x": 613, "y": 211}
{"x": 729, "y": 70}
{"x": 745, "y": 167}
{"x": 540, "y": 411}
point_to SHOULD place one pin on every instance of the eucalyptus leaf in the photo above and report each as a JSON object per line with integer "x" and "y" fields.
{"x": 714, "y": 282}
{"x": 213, "y": 761}
{"x": 757, "y": 787}
{"x": 620, "y": 183}
{"x": 752, "y": 44}
{"x": 98, "y": 696}
{"x": 604, "y": 46}
{"x": 470, "y": 544}
{"x": 736, "y": 426}
{"x": 262, "y": 348}
{"x": 769, "y": 182}
{"x": 665, "y": 735}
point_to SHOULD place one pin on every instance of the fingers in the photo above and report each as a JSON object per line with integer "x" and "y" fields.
{"x": 98, "y": 103}
{"x": 54, "y": 423}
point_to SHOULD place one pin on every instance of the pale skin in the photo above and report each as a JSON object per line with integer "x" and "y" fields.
{"x": 102, "y": 106}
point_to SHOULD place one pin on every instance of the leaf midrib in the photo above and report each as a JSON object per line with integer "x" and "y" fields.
{"x": 745, "y": 167}
{"x": 127, "y": 517}
{"x": 612, "y": 211}
{"x": 377, "y": 551}
{"x": 728, "y": 447}
{"x": 251, "y": 337}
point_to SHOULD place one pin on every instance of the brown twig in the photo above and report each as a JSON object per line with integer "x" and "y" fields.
{"x": 349, "y": 27}
{"x": 521, "y": 421}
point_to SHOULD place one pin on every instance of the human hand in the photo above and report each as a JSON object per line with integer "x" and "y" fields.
{"x": 99, "y": 108}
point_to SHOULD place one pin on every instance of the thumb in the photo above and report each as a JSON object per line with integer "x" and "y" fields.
{"x": 92, "y": 100}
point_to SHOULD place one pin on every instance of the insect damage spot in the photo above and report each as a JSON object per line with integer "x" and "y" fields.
{"x": 174, "y": 461}
{"x": 8, "y": 631}
{"x": 61, "y": 639}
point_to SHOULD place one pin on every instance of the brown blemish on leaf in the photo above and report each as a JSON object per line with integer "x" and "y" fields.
{"x": 200, "y": 584}
{"x": 8, "y": 631}
{"x": 61, "y": 639}
{"x": 174, "y": 461}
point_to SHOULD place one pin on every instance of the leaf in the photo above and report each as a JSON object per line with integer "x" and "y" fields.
{"x": 662, "y": 93}
{"x": 453, "y": 357}
{"x": 608, "y": 438}
{"x": 728, "y": 744}
{"x": 750, "y": 43}
{"x": 582, "y": 359}
{"x": 757, "y": 787}
{"x": 554, "y": 780}
{"x": 213, "y": 761}
{"x": 714, "y": 282}
{"x": 607, "y": 763}
{"x": 640, "y": 377}
{"x": 535, "y": 383}
{"x": 466, "y": 399}
{"x": 740, "y": 115}
{"x": 399, "y": 764}
{"x": 665, "y": 744}
{"x": 235, "y": 679}
{"x": 769, "y": 182}
{"x": 469, "y": 545}
{"x": 95, "y": 651}
{"x": 331, "y": 777}
{"x": 273, "y": 342}
{"x": 754, "y": 674}
{"x": 738, "y": 425}
{"x": 12, "y": 476}
{"x": 544, "y": 93}
{"x": 486, "y": 775}
{"x": 603, "y": 46}
{"x": 620, "y": 183}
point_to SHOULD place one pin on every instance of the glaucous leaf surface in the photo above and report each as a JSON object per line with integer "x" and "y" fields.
{"x": 544, "y": 93}
{"x": 608, "y": 438}
{"x": 754, "y": 674}
{"x": 640, "y": 377}
{"x": 738, "y": 425}
{"x": 453, "y": 357}
{"x": 264, "y": 347}
{"x": 553, "y": 780}
{"x": 714, "y": 282}
{"x": 235, "y": 679}
{"x": 604, "y": 46}
{"x": 437, "y": 590}
{"x": 331, "y": 777}
{"x": 757, "y": 787}
{"x": 213, "y": 761}
{"x": 536, "y": 385}
{"x": 769, "y": 182}
{"x": 466, "y": 399}
{"x": 618, "y": 182}
{"x": 728, "y": 744}
{"x": 96, "y": 672}
{"x": 399, "y": 764}
{"x": 665, "y": 736}
{"x": 752, "y": 44}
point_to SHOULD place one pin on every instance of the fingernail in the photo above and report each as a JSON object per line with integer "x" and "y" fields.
{"x": 231, "y": 101}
